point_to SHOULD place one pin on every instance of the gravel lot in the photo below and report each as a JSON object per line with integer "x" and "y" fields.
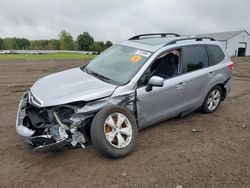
{"x": 167, "y": 155}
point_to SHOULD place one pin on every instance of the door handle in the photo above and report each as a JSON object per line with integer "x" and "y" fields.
{"x": 180, "y": 85}
{"x": 210, "y": 74}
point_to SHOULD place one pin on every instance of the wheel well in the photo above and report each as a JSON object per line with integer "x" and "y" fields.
{"x": 88, "y": 123}
{"x": 86, "y": 129}
{"x": 224, "y": 91}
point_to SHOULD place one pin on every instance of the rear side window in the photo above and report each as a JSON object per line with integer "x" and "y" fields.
{"x": 217, "y": 55}
{"x": 194, "y": 58}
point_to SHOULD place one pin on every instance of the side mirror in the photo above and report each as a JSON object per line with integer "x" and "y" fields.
{"x": 156, "y": 81}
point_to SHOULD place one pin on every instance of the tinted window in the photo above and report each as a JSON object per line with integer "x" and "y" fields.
{"x": 194, "y": 58}
{"x": 216, "y": 53}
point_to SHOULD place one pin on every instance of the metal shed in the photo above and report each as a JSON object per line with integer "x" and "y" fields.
{"x": 237, "y": 43}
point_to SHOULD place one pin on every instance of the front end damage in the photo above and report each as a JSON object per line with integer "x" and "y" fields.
{"x": 52, "y": 128}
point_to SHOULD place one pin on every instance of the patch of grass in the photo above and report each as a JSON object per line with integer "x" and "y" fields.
{"x": 51, "y": 56}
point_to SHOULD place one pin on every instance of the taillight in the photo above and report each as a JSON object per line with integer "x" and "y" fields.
{"x": 231, "y": 66}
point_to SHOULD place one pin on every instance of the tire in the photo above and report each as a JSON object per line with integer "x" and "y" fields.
{"x": 108, "y": 134}
{"x": 212, "y": 100}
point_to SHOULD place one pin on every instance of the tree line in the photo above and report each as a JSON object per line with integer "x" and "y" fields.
{"x": 84, "y": 42}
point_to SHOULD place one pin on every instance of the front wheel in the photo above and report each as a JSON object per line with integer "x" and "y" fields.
{"x": 212, "y": 100}
{"x": 114, "y": 131}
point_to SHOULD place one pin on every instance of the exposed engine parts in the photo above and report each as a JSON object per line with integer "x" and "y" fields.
{"x": 52, "y": 128}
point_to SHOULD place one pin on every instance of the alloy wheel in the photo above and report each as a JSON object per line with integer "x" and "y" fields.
{"x": 118, "y": 130}
{"x": 213, "y": 99}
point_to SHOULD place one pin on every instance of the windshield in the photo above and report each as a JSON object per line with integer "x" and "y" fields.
{"x": 118, "y": 63}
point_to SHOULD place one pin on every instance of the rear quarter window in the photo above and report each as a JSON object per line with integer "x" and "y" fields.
{"x": 216, "y": 53}
{"x": 194, "y": 58}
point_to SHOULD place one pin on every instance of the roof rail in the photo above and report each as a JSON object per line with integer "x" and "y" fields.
{"x": 189, "y": 38}
{"x": 137, "y": 37}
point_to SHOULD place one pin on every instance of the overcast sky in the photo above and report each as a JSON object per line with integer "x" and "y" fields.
{"x": 116, "y": 20}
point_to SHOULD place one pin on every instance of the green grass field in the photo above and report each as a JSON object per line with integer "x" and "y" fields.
{"x": 52, "y": 56}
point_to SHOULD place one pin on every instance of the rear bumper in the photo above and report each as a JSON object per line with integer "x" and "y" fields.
{"x": 227, "y": 86}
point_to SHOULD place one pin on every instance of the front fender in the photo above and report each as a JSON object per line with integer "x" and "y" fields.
{"x": 126, "y": 100}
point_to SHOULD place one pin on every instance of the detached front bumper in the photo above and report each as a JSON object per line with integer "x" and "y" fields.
{"x": 22, "y": 130}
{"x": 51, "y": 128}
{"x": 44, "y": 142}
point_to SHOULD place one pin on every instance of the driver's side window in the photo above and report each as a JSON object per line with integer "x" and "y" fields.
{"x": 167, "y": 65}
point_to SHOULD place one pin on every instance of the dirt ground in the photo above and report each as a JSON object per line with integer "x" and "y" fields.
{"x": 167, "y": 155}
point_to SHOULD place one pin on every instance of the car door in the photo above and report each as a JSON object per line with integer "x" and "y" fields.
{"x": 196, "y": 71}
{"x": 160, "y": 103}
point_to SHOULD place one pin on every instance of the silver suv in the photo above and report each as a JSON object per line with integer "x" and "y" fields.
{"x": 132, "y": 85}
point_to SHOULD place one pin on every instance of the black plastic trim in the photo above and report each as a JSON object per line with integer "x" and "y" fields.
{"x": 162, "y": 35}
{"x": 189, "y": 38}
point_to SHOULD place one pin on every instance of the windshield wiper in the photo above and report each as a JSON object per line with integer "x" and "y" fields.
{"x": 100, "y": 76}
{"x": 97, "y": 75}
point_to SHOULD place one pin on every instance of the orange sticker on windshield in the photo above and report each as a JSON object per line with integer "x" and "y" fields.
{"x": 135, "y": 59}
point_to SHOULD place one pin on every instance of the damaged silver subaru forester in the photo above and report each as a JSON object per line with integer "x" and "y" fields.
{"x": 132, "y": 85}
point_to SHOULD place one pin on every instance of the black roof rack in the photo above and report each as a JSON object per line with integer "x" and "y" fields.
{"x": 137, "y": 37}
{"x": 190, "y": 38}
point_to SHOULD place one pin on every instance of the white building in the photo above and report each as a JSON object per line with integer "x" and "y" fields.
{"x": 237, "y": 43}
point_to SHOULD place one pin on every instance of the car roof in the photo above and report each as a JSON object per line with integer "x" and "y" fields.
{"x": 149, "y": 44}
{"x": 152, "y": 44}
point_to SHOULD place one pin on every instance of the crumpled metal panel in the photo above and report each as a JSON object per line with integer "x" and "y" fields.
{"x": 82, "y": 115}
{"x": 126, "y": 100}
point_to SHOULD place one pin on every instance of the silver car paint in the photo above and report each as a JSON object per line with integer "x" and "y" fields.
{"x": 160, "y": 103}
{"x": 144, "y": 44}
{"x": 70, "y": 86}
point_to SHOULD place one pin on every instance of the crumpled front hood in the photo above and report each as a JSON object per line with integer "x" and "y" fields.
{"x": 70, "y": 86}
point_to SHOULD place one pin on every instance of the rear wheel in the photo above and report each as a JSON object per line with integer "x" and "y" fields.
{"x": 114, "y": 131}
{"x": 212, "y": 100}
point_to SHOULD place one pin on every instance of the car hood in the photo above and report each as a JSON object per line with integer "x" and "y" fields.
{"x": 69, "y": 86}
